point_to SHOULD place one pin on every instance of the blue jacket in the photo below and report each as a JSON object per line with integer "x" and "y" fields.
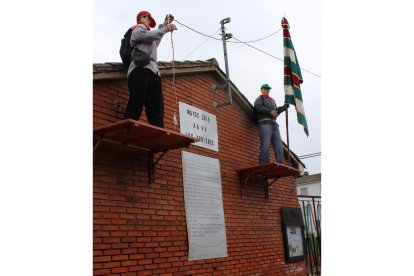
{"x": 263, "y": 108}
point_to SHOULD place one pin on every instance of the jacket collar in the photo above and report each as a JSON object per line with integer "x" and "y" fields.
{"x": 146, "y": 26}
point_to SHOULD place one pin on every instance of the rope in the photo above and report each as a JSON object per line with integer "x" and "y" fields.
{"x": 173, "y": 78}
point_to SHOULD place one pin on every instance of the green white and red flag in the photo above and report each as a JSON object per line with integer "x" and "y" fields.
{"x": 292, "y": 77}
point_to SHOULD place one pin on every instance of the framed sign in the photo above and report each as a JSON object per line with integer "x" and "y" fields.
{"x": 200, "y": 124}
{"x": 293, "y": 234}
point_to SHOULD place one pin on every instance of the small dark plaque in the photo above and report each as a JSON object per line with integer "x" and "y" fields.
{"x": 293, "y": 234}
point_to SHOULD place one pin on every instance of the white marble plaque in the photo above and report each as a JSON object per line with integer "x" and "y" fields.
{"x": 197, "y": 123}
{"x": 203, "y": 207}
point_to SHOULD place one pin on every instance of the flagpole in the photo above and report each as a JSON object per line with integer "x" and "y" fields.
{"x": 287, "y": 134}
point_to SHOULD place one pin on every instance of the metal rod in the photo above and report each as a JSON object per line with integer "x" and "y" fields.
{"x": 218, "y": 105}
{"x": 223, "y": 36}
{"x": 313, "y": 241}
{"x": 97, "y": 144}
{"x": 314, "y": 212}
{"x": 150, "y": 168}
{"x": 159, "y": 158}
{"x": 318, "y": 236}
{"x": 287, "y": 134}
{"x": 309, "y": 196}
{"x": 306, "y": 234}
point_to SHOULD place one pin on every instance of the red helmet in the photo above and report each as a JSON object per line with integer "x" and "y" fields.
{"x": 145, "y": 13}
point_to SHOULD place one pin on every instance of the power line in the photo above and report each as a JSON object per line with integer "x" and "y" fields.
{"x": 193, "y": 50}
{"x": 200, "y": 33}
{"x": 208, "y": 38}
{"x": 246, "y": 43}
{"x": 274, "y": 57}
{"x": 256, "y": 39}
{"x": 310, "y": 155}
{"x": 258, "y": 49}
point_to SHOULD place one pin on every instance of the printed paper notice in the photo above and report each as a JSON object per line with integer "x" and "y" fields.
{"x": 295, "y": 242}
{"x": 203, "y": 207}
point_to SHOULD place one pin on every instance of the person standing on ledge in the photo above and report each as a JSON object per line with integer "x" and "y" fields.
{"x": 267, "y": 112}
{"x": 144, "y": 82}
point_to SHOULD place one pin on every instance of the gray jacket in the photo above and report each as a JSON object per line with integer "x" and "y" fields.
{"x": 263, "y": 108}
{"x": 148, "y": 42}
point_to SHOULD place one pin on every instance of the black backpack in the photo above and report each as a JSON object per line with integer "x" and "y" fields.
{"x": 126, "y": 50}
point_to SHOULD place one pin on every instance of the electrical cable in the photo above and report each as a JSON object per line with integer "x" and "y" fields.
{"x": 246, "y": 43}
{"x": 200, "y": 33}
{"x": 208, "y": 38}
{"x": 257, "y": 39}
{"x": 318, "y": 153}
{"x": 193, "y": 50}
{"x": 258, "y": 49}
{"x": 274, "y": 56}
{"x": 219, "y": 39}
{"x": 310, "y": 155}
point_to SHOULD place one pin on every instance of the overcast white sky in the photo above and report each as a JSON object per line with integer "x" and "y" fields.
{"x": 248, "y": 67}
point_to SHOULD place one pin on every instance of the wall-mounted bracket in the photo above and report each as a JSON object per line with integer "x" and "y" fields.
{"x": 219, "y": 105}
{"x": 118, "y": 110}
{"x": 141, "y": 135}
{"x": 271, "y": 171}
{"x": 219, "y": 87}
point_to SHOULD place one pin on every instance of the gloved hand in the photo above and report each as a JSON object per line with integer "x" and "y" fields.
{"x": 168, "y": 19}
{"x": 286, "y": 106}
{"x": 171, "y": 27}
{"x": 167, "y": 22}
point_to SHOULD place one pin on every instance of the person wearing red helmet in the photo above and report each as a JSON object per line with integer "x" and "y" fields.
{"x": 144, "y": 82}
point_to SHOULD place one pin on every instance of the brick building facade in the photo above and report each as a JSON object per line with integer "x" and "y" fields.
{"x": 141, "y": 229}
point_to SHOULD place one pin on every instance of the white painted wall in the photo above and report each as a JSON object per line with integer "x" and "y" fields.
{"x": 310, "y": 182}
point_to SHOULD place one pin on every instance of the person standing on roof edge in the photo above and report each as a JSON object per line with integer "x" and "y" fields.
{"x": 144, "y": 83}
{"x": 267, "y": 112}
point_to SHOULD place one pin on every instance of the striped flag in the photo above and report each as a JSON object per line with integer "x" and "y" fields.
{"x": 292, "y": 77}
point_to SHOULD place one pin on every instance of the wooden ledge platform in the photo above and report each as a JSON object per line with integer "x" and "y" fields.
{"x": 266, "y": 171}
{"x": 142, "y": 135}
{"x": 270, "y": 170}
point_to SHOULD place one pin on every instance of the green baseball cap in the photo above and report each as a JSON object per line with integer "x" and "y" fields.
{"x": 265, "y": 86}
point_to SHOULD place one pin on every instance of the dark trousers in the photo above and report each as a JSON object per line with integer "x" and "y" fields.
{"x": 145, "y": 89}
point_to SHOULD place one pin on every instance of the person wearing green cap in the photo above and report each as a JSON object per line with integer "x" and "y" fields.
{"x": 267, "y": 112}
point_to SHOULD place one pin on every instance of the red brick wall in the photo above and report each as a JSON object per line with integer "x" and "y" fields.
{"x": 140, "y": 230}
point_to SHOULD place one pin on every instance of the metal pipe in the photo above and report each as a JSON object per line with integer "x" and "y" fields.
{"x": 218, "y": 105}
{"x": 224, "y": 37}
{"x": 97, "y": 144}
{"x": 287, "y": 134}
{"x": 310, "y": 196}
